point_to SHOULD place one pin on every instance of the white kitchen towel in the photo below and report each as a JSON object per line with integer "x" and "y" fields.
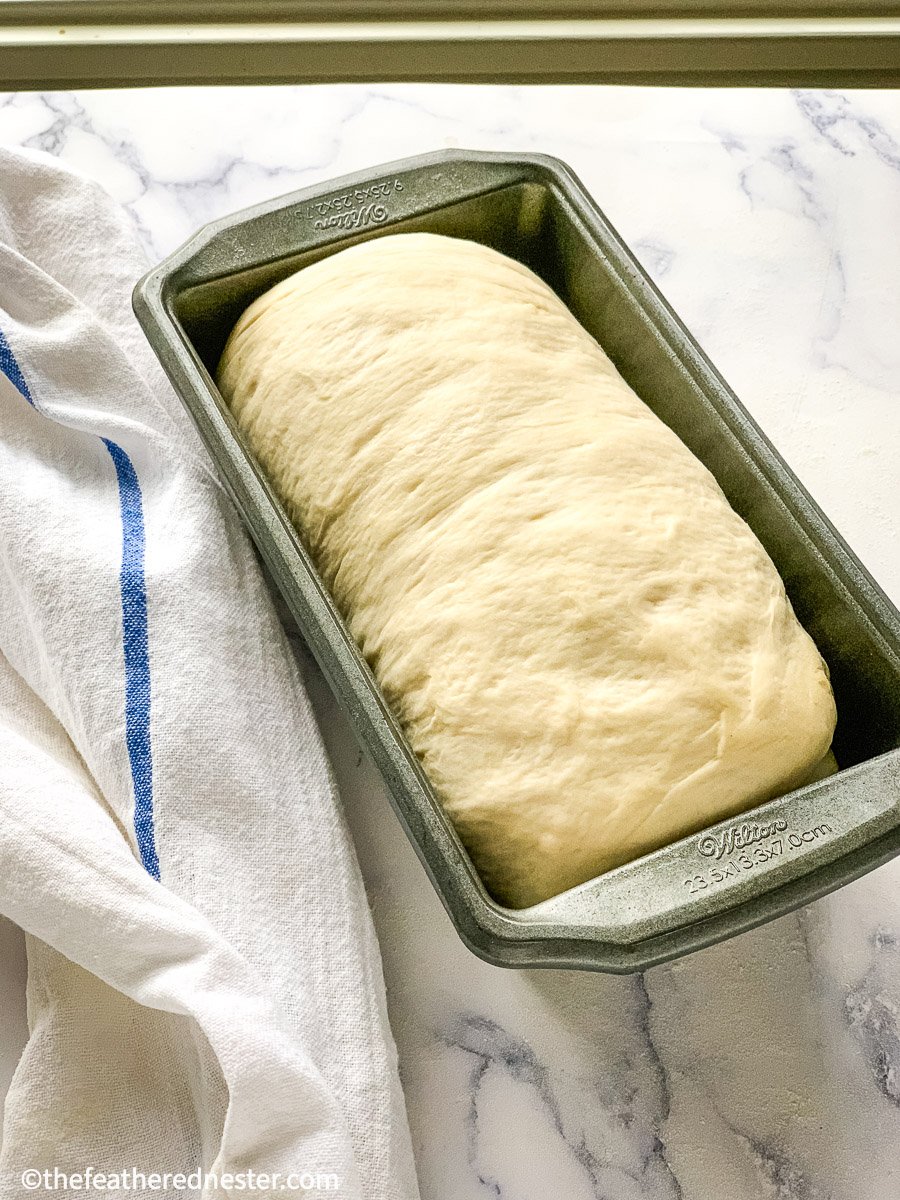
{"x": 205, "y": 990}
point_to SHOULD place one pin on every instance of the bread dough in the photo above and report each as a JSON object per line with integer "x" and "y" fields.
{"x": 589, "y": 651}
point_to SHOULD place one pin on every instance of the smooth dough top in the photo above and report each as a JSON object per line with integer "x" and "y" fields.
{"x": 589, "y": 651}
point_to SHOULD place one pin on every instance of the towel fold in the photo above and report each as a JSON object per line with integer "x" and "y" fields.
{"x": 204, "y": 986}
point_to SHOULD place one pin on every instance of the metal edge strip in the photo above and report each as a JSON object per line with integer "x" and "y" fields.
{"x": 821, "y": 51}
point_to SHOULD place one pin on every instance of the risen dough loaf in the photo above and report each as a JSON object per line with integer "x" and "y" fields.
{"x": 589, "y": 651}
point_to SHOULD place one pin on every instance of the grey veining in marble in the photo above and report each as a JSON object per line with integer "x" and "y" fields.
{"x": 766, "y": 1068}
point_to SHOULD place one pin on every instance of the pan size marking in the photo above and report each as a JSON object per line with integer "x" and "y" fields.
{"x": 737, "y": 837}
{"x": 745, "y": 855}
{"x": 354, "y": 209}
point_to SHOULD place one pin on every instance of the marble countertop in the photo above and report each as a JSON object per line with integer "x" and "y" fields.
{"x": 767, "y": 1068}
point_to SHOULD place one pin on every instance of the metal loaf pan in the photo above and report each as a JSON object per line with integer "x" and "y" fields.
{"x": 705, "y": 887}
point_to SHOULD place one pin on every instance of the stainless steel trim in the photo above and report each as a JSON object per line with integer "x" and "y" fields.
{"x": 82, "y": 46}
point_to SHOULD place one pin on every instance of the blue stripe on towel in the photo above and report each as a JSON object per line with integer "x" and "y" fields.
{"x": 137, "y": 655}
{"x": 134, "y": 628}
{"x": 11, "y": 369}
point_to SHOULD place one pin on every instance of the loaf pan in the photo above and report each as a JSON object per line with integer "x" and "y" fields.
{"x": 703, "y": 888}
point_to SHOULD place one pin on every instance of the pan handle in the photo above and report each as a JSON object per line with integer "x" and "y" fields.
{"x": 776, "y": 856}
{"x": 344, "y": 210}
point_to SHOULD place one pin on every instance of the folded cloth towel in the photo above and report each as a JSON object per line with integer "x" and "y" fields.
{"x": 204, "y": 985}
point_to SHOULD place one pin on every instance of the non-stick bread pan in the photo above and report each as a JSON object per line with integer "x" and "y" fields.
{"x": 702, "y": 888}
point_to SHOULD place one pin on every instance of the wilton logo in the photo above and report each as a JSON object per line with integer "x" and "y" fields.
{"x": 737, "y": 837}
{"x": 354, "y": 209}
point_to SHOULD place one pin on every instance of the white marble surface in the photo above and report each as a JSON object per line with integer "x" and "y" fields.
{"x": 767, "y": 1068}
